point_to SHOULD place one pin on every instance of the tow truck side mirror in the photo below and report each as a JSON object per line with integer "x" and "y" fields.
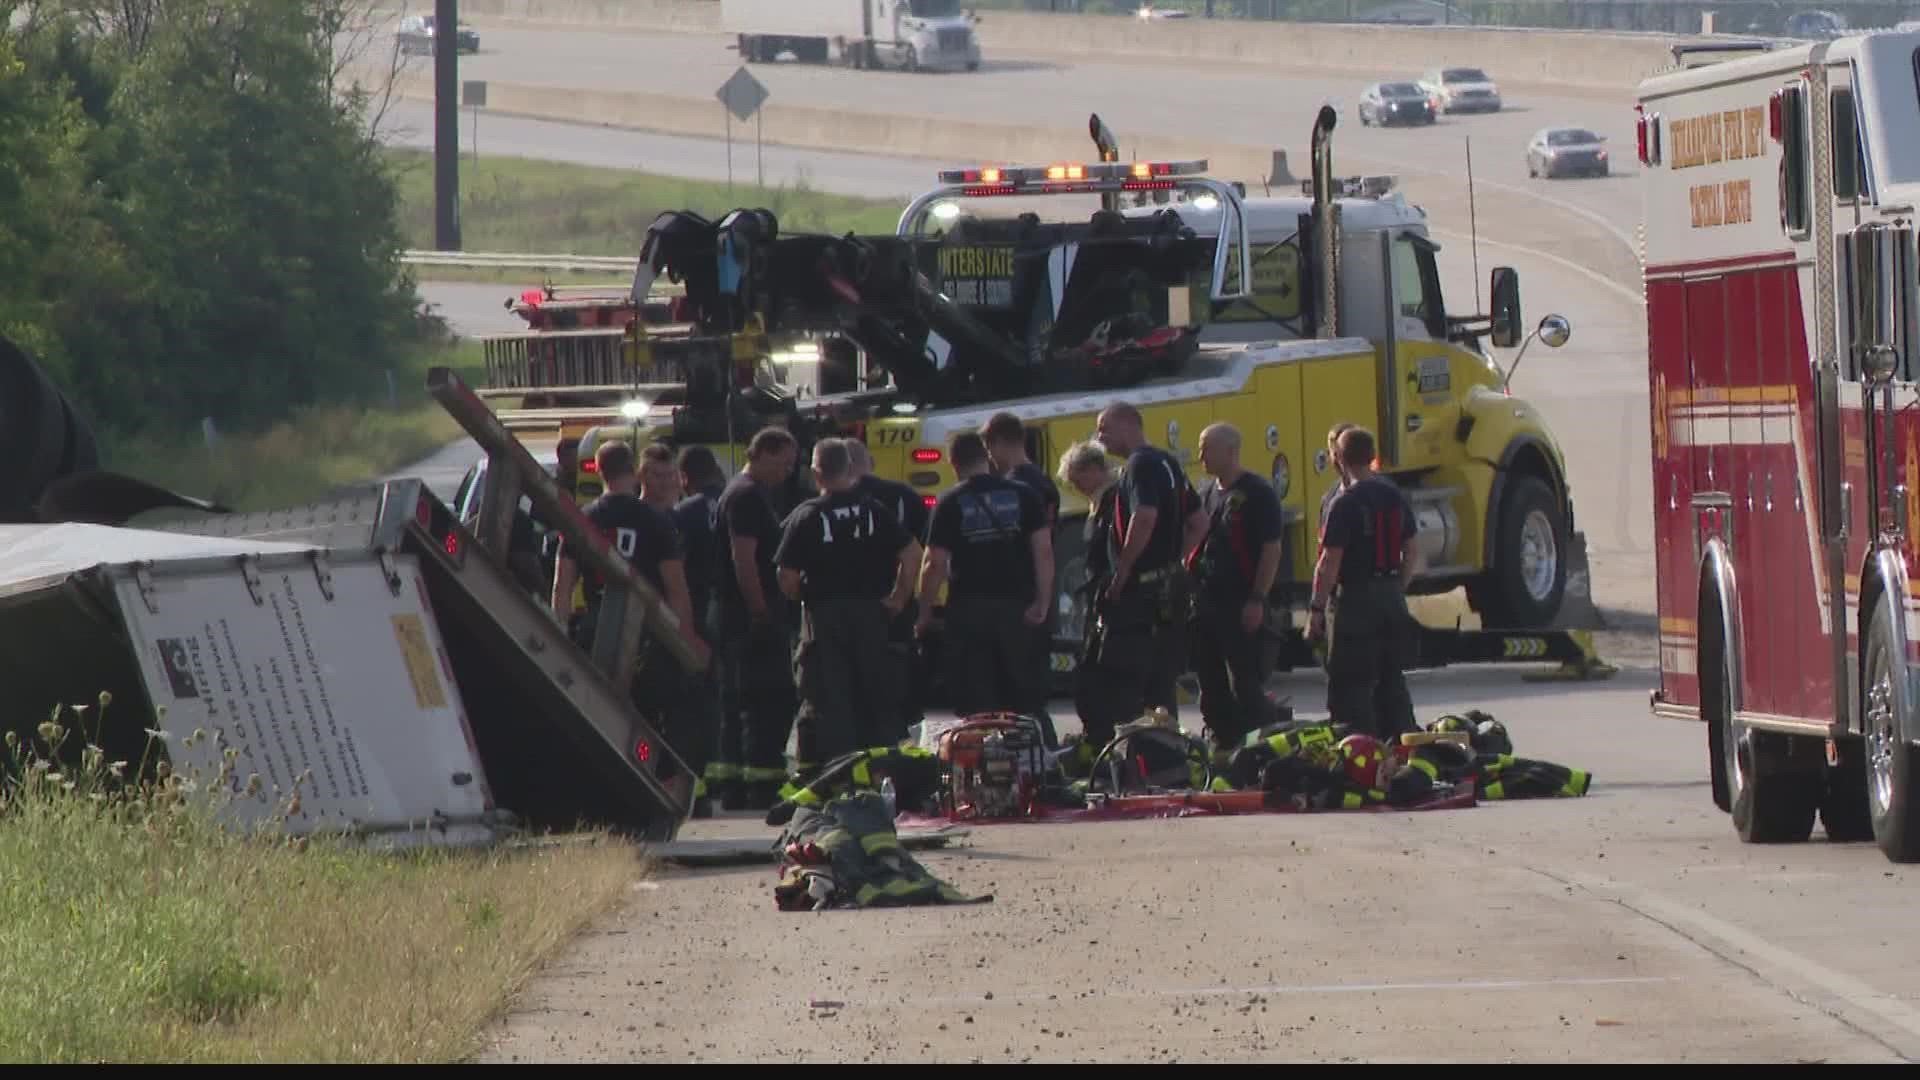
{"x": 1506, "y": 307}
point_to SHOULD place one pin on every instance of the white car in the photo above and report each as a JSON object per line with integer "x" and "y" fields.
{"x": 1461, "y": 90}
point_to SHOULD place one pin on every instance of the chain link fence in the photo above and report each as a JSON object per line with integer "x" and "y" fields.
{"x": 1772, "y": 18}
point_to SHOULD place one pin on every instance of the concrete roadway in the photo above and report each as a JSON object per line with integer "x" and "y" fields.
{"x": 1629, "y": 925}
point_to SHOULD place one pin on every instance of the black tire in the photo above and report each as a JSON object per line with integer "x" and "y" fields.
{"x": 1773, "y": 797}
{"x": 1716, "y": 696}
{"x": 973, "y": 65}
{"x": 1890, "y": 761}
{"x": 1843, "y": 812}
{"x": 1514, "y": 595}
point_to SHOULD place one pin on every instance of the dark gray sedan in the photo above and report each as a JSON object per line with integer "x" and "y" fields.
{"x": 1395, "y": 103}
{"x": 1566, "y": 151}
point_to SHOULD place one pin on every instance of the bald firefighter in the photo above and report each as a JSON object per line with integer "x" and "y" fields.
{"x": 1233, "y": 569}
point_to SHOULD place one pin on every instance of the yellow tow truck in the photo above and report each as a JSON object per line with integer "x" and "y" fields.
{"x": 962, "y": 314}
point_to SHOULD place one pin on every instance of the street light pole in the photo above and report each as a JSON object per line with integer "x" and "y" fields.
{"x": 446, "y": 124}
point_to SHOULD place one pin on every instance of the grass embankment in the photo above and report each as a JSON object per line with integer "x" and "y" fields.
{"x": 548, "y": 207}
{"x": 316, "y": 450}
{"x": 135, "y": 930}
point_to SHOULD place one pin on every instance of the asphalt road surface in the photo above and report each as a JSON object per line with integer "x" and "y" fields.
{"x": 1630, "y": 925}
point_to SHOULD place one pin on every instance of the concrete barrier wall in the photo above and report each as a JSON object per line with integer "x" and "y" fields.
{"x": 684, "y": 16}
{"x": 950, "y": 143}
{"x": 1589, "y": 61}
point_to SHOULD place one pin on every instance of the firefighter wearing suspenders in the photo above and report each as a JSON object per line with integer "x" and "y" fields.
{"x": 1233, "y": 570}
{"x": 1368, "y": 548}
{"x": 1143, "y": 613}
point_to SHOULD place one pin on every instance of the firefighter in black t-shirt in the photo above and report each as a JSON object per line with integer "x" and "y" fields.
{"x": 1369, "y": 548}
{"x": 757, "y": 624}
{"x": 1233, "y": 571}
{"x": 990, "y": 544}
{"x": 850, "y": 565}
{"x": 1006, "y": 439}
{"x": 1085, "y": 468}
{"x": 1157, "y": 520}
{"x": 910, "y": 510}
{"x": 644, "y": 536}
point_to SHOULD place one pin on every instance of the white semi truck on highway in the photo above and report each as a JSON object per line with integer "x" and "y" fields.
{"x": 906, "y": 34}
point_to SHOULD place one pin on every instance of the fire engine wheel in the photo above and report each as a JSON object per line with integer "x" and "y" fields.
{"x": 1844, "y": 813}
{"x": 1773, "y": 803}
{"x": 1890, "y": 758}
{"x": 1529, "y": 575}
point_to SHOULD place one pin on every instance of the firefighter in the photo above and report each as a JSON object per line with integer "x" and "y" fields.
{"x": 645, "y": 536}
{"x": 1006, "y": 439}
{"x": 1233, "y": 568}
{"x": 1157, "y": 519}
{"x": 757, "y": 623}
{"x": 695, "y": 517}
{"x": 659, "y": 478}
{"x": 850, "y": 565}
{"x": 1098, "y": 699}
{"x": 909, "y": 665}
{"x": 989, "y": 543}
{"x": 1339, "y": 470}
{"x": 1369, "y": 551}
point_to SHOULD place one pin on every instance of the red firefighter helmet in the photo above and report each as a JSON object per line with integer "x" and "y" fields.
{"x": 1364, "y": 760}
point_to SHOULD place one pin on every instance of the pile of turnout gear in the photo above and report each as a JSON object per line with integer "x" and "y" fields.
{"x": 994, "y": 767}
{"x": 846, "y": 854}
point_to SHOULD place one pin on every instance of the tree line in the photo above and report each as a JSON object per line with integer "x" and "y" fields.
{"x": 194, "y": 217}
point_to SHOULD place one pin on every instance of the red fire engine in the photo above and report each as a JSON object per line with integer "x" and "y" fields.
{"x": 1781, "y": 193}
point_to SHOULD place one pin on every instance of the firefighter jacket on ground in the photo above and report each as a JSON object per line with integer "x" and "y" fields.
{"x": 1489, "y": 761}
{"x": 845, "y": 853}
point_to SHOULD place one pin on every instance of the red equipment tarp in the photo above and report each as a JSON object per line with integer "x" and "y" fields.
{"x": 1180, "y": 804}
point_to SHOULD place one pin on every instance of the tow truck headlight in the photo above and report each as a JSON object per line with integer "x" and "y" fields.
{"x": 1282, "y": 476}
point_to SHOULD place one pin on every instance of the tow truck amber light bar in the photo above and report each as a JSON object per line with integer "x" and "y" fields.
{"x": 1102, "y": 176}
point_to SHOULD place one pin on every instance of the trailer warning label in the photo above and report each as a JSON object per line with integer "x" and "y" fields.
{"x": 1729, "y": 203}
{"x": 1733, "y": 135}
{"x": 978, "y": 275}
{"x": 412, "y": 632}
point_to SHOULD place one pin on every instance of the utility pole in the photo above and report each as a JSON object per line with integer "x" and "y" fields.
{"x": 446, "y": 124}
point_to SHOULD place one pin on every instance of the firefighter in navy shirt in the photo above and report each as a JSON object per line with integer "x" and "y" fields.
{"x": 1157, "y": 520}
{"x": 990, "y": 544}
{"x": 850, "y": 565}
{"x": 1085, "y": 468}
{"x": 1369, "y": 549}
{"x": 757, "y": 623}
{"x": 646, "y": 538}
{"x": 1006, "y": 439}
{"x": 695, "y": 516}
{"x": 910, "y": 509}
{"x": 1233, "y": 570}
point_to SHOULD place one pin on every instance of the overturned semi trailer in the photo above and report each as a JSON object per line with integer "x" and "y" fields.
{"x": 323, "y": 672}
{"x": 367, "y": 638}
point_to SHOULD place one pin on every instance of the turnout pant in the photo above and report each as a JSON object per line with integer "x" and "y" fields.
{"x": 1232, "y": 668}
{"x": 995, "y": 662}
{"x": 760, "y": 700}
{"x": 1133, "y": 659}
{"x": 668, "y": 695}
{"x": 1367, "y": 658}
{"x": 908, "y": 665}
{"x": 847, "y": 679}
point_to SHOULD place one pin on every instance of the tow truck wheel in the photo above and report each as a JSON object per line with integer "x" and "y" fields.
{"x": 1890, "y": 759}
{"x": 1524, "y": 588}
